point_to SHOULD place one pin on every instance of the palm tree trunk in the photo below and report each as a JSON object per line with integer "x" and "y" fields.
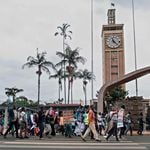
{"x": 85, "y": 96}
{"x": 68, "y": 89}
{"x": 71, "y": 92}
{"x": 65, "y": 88}
{"x": 84, "y": 89}
{"x": 64, "y": 71}
{"x": 59, "y": 92}
{"x": 38, "y": 89}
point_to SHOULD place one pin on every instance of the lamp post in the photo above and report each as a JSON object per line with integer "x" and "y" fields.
{"x": 92, "y": 47}
{"x": 134, "y": 38}
{"x": 6, "y": 115}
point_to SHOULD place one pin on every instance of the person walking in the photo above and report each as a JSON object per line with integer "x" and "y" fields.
{"x": 13, "y": 117}
{"x": 120, "y": 123}
{"x": 48, "y": 128}
{"x": 128, "y": 123}
{"x": 41, "y": 121}
{"x": 91, "y": 125}
{"x": 23, "y": 123}
{"x": 140, "y": 124}
{"x": 101, "y": 122}
{"x": 112, "y": 124}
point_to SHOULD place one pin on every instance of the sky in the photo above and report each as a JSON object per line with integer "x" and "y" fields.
{"x": 29, "y": 24}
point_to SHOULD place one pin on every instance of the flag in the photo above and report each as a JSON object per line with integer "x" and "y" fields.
{"x": 112, "y": 4}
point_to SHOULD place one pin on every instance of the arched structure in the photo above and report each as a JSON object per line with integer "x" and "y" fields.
{"x": 124, "y": 79}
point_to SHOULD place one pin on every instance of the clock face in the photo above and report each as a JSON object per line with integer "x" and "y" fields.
{"x": 113, "y": 41}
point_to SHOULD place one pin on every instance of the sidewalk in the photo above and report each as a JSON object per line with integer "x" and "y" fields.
{"x": 63, "y": 139}
{"x": 53, "y": 139}
{"x": 144, "y": 133}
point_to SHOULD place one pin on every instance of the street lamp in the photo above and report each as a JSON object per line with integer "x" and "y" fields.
{"x": 6, "y": 114}
{"x": 134, "y": 38}
{"x": 92, "y": 47}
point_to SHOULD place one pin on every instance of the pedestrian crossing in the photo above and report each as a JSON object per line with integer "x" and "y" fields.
{"x": 23, "y": 145}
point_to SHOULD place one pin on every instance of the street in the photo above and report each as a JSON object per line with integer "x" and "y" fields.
{"x": 61, "y": 143}
{"x": 74, "y": 146}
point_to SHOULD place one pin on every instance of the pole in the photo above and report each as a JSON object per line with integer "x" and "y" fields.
{"x": 92, "y": 47}
{"x": 134, "y": 38}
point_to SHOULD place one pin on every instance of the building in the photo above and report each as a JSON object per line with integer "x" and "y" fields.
{"x": 112, "y": 48}
{"x": 67, "y": 109}
{"x": 136, "y": 105}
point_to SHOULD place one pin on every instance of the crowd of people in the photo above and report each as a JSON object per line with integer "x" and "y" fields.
{"x": 85, "y": 121}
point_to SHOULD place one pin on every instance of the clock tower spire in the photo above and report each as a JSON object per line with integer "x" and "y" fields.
{"x": 111, "y": 16}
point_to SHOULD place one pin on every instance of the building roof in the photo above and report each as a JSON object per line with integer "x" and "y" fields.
{"x": 62, "y": 105}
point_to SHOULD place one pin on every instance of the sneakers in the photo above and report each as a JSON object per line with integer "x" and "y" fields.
{"x": 98, "y": 140}
{"x": 83, "y": 138}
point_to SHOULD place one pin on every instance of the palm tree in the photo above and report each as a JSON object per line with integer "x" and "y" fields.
{"x": 42, "y": 64}
{"x": 12, "y": 92}
{"x": 71, "y": 59}
{"x": 59, "y": 75}
{"x": 64, "y": 32}
{"x": 74, "y": 75}
{"x": 86, "y": 76}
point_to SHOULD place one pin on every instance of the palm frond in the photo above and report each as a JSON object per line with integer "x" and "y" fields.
{"x": 31, "y": 58}
{"x": 81, "y": 60}
{"x": 60, "y": 28}
{"x": 54, "y": 76}
{"x": 44, "y": 68}
{"x": 61, "y": 63}
{"x": 70, "y": 37}
{"x": 56, "y": 33}
{"x": 29, "y": 65}
{"x": 60, "y": 54}
{"x": 48, "y": 64}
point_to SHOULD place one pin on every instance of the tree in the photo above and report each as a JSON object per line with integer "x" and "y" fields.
{"x": 23, "y": 101}
{"x": 74, "y": 75}
{"x": 86, "y": 76}
{"x": 72, "y": 57}
{"x": 42, "y": 64}
{"x": 64, "y": 32}
{"x": 115, "y": 94}
{"x": 12, "y": 92}
{"x": 58, "y": 75}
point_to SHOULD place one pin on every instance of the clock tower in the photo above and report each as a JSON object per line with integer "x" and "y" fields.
{"x": 112, "y": 48}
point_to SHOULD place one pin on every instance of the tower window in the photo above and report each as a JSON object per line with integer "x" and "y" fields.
{"x": 114, "y": 66}
{"x": 114, "y": 73}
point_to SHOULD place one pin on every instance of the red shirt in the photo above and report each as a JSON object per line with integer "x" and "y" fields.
{"x": 91, "y": 116}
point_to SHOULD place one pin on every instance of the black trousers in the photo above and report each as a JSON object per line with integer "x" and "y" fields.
{"x": 15, "y": 123}
{"x": 41, "y": 127}
{"x": 113, "y": 131}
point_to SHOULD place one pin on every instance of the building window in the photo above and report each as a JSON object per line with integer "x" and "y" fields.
{"x": 114, "y": 73}
{"x": 114, "y": 66}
